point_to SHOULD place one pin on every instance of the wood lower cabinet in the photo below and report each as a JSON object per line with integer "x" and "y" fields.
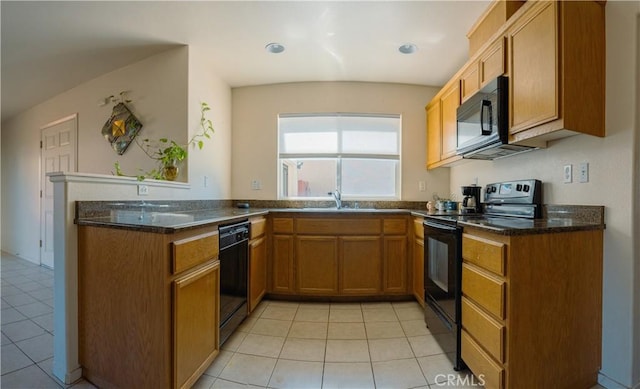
{"x": 361, "y": 265}
{"x": 347, "y": 255}
{"x": 282, "y": 274}
{"x": 257, "y": 263}
{"x": 148, "y": 312}
{"x": 395, "y": 264}
{"x": 317, "y": 265}
{"x": 418, "y": 260}
{"x": 194, "y": 317}
{"x": 531, "y": 304}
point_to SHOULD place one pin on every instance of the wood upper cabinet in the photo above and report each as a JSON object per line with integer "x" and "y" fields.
{"x": 442, "y": 126}
{"x": 434, "y": 133}
{"x": 196, "y": 318}
{"x": 492, "y": 62}
{"x": 257, "y": 262}
{"x": 557, "y": 63}
{"x": 510, "y": 285}
{"x": 450, "y": 104}
{"x": 534, "y": 70}
{"x": 469, "y": 81}
{"x": 317, "y": 265}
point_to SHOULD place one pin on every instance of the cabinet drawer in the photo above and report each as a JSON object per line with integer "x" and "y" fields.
{"x": 480, "y": 363}
{"x": 488, "y": 332}
{"x": 257, "y": 227}
{"x": 338, "y": 226}
{"x": 485, "y": 253}
{"x": 283, "y": 225}
{"x": 418, "y": 227}
{"x": 190, "y": 252}
{"x": 394, "y": 226}
{"x": 484, "y": 289}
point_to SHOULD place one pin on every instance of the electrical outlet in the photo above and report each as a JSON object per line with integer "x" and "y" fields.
{"x": 422, "y": 186}
{"x": 568, "y": 174}
{"x": 205, "y": 181}
{"x": 584, "y": 172}
{"x": 143, "y": 190}
{"x": 256, "y": 185}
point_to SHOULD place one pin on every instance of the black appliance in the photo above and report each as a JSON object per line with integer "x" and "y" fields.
{"x": 442, "y": 274}
{"x": 483, "y": 124}
{"x": 234, "y": 239}
{"x": 512, "y": 204}
{"x": 471, "y": 200}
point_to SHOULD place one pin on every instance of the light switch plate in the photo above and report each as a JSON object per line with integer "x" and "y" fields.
{"x": 584, "y": 172}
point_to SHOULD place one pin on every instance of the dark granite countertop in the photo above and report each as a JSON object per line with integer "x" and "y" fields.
{"x": 169, "y": 222}
{"x": 170, "y": 217}
{"x": 556, "y": 218}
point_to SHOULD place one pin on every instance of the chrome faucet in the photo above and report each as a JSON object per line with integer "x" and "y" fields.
{"x": 337, "y": 197}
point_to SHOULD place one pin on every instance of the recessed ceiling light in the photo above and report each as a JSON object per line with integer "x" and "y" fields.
{"x": 408, "y": 48}
{"x": 274, "y": 48}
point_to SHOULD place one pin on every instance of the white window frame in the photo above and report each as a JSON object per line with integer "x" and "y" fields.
{"x": 339, "y": 156}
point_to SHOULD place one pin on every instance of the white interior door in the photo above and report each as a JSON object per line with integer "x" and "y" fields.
{"x": 57, "y": 154}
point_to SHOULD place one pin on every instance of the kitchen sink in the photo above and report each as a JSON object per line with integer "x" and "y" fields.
{"x": 343, "y": 209}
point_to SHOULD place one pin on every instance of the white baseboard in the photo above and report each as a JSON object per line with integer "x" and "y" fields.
{"x": 608, "y": 383}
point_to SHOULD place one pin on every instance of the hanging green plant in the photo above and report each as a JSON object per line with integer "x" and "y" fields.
{"x": 168, "y": 153}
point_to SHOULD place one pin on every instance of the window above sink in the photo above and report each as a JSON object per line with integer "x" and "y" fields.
{"x": 358, "y": 154}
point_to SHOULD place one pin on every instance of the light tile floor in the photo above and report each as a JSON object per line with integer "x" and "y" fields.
{"x": 27, "y": 326}
{"x": 282, "y": 344}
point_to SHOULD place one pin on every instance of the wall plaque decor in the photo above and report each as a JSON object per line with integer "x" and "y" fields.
{"x": 121, "y": 128}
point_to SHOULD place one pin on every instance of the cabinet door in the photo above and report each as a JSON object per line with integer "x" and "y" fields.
{"x": 395, "y": 264}
{"x": 469, "y": 81}
{"x": 317, "y": 265}
{"x": 257, "y": 271}
{"x": 492, "y": 62}
{"x": 450, "y": 103}
{"x": 534, "y": 82}
{"x": 418, "y": 270}
{"x": 360, "y": 265}
{"x": 282, "y": 264}
{"x": 196, "y": 320}
{"x": 434, "y": 132}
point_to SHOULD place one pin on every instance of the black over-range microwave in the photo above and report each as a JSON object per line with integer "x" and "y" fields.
{"x": 483, "y": 123}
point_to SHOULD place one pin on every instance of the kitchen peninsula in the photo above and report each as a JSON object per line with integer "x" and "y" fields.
{"x": 154, "y": 295}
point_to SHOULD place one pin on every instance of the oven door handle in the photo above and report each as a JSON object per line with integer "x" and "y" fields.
{"x": 439, "y": 226}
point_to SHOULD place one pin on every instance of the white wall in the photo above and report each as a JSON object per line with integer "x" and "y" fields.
{"x": 611, "y": 177}
{"x": 214, "y": 160}
{"x": 636, "y": 218}
{"x": 164, "y": 90}
{"x": 255, "y": 112}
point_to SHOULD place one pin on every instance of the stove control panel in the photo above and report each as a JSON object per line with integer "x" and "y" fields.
{"x": 514, "y": 192}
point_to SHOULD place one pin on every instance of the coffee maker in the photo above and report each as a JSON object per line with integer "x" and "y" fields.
{"x": 471, "y": 201}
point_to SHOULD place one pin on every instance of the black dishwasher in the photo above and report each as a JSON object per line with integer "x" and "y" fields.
{"x": 233, "y": 257}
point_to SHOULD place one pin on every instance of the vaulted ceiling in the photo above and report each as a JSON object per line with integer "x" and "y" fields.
{"x": 49, "y": 47}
